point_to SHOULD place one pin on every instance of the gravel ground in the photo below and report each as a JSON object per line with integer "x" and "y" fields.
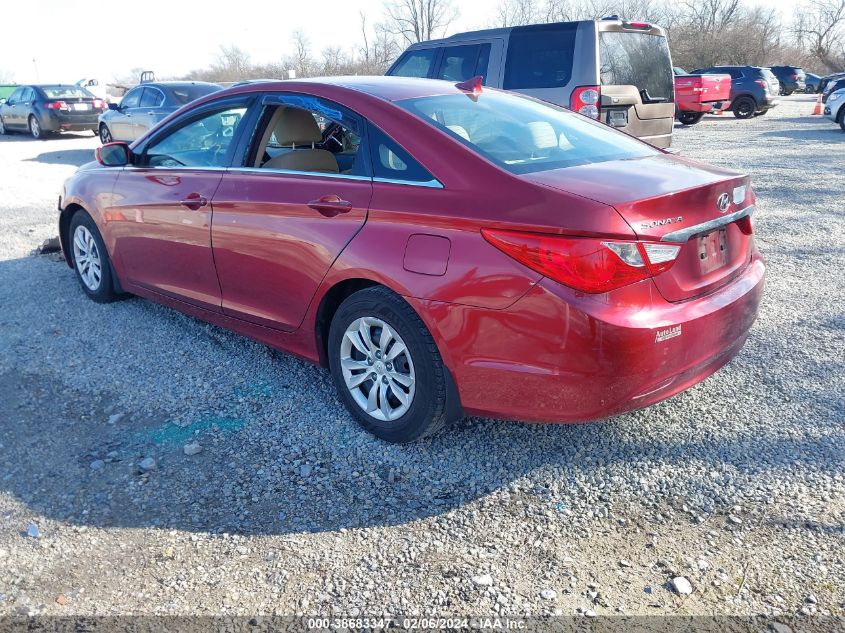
{"x": 737, "y": 485}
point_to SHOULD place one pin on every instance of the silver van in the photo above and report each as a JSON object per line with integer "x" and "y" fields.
{"x": 614, "y": 71}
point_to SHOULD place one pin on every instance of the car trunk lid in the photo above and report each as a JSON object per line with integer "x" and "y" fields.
{"x": 668, "y": 199}
{"x": 702, "y": 88}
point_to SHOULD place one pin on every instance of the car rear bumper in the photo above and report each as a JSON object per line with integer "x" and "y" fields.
{"x": 65, "y": 121}
{"x": 560, "y": 356}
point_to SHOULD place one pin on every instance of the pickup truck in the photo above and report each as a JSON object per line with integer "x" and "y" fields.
{"x": 696, "y": 95}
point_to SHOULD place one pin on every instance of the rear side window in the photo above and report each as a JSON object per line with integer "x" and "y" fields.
{"x": 460, "y": 63}
{"x": 392, "y": 162}
{"x": 540, "y": 56}
{"x": 637, "y": 59}
{"x": 415, "y": 63}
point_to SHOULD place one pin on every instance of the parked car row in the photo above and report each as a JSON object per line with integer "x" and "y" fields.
{"x": 42, "y": 109}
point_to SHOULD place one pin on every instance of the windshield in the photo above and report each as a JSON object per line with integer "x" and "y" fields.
{"x": 637, "y": 59}
{"x": 524, "y": 135}
{"x": 186, "y": 94}
{"x": 66, "y": 92}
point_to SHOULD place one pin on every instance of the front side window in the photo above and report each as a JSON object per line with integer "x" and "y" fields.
{"x": 523, "y": 135}
{"x": 540, "y": 56}
{"x": 415, "y": 63}
{"x": 637, "y": 59}
{"x": 307, "y": 134}
{"x": 203, "y": 142}
{"x": 15, "y": 97}
{"x": 151, "y": 98}
{"x": 132, "y": 98}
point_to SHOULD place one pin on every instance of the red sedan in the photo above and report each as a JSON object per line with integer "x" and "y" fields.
{"x": 443, "y": 249}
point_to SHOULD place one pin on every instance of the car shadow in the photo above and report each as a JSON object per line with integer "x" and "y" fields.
{"x": 90, "y": 390}
{"x": 833, "y": 133}
{"x": 76, "y": 157}
{"x": 24, "y": 137}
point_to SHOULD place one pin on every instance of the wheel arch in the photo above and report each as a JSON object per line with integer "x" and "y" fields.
{"x": 65, "y": 219}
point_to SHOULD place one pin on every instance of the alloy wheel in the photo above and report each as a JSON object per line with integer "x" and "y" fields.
{"x": 34, "y": 127}
{"x": 2, "y": 127}
{"x": 105, "y": 135}
{"x": 86, "y": 256}
{"x": 377, "y": 368}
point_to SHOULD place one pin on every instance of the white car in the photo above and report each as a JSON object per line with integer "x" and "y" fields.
{"x": 834, "y": 108}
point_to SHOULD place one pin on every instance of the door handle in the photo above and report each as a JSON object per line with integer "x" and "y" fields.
{"x": 331, "y": 206}
{"x": 194, "y": 201}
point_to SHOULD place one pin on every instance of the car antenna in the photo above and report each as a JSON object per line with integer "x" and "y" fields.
{"x": 473, "y": 86}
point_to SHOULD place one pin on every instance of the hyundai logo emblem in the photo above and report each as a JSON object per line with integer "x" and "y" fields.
{"x": 723, "y": 202}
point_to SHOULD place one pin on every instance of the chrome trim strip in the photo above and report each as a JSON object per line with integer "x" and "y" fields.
{"x": 295, "y": 172}
{"x": 682, "y": 235}
{"x": 434, "y": 183}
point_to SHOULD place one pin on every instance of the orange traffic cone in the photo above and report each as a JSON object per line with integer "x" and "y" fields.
{"x": 818, "y": 108}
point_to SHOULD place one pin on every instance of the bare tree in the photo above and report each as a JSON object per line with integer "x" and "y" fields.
{"x": 819, "y": 26}
{"x": 518, "y": 12}
{"x": 378, "y": 50}
{"x": 419, "y": 20}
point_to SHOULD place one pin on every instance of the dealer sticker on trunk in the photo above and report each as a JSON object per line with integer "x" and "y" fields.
{"x": 665, "y": 335}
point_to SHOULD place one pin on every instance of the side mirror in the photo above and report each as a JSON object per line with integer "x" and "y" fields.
{"x": 115, "y": 154}
{"x": 114, "y": 106}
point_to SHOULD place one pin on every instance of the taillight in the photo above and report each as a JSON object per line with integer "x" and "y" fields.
{"x": 99, "y": 103}
{"x": 794, "y": 76}
{"x": 585, "y": 100}
{"x": 763, "y": 83}
{"x": 55, "y": 105}
{"x": 587, "y": 264}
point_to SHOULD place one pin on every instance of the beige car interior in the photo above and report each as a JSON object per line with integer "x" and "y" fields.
{"x": 291, "y": 127}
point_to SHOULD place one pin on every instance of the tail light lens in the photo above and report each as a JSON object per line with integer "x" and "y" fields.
{"x": 762, "y": 82}
{"x": 56, "y": 105}
{"x": 585, "y": 100}
{"x": 99, "y": 103}
{"x": 794, "y": 76}
{"x": 587, "y": 264}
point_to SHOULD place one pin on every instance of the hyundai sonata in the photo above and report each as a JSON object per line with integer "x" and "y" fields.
{"x": 444, "y": 249}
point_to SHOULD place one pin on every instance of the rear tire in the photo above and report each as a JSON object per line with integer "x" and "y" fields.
{"x": 35, "y": 128}
{"x": 787, "y": 92}
{"x": 105, "y": 134}
{"x": 362, "y": 358}
{"x": 690, "y": 118}
{"x": 744, "y": 108}
{"x": 842, "y": 117}
{"x": 90, "y": 259}
{"x": 2, "y": 127}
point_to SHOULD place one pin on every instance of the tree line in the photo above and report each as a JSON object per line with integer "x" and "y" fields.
{"x": 701, "y": 33}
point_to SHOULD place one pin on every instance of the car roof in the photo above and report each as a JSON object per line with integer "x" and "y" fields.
{"x": 386, "y": 88}
{"x": 176, "y": 84}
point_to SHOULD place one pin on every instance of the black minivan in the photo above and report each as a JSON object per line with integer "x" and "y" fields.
{"x": 611, "y": 70}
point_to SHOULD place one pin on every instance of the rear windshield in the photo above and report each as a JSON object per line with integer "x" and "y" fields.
{"x": 186, "y": 94}
{"x": 768, "y": 74}
{"x": 66, "y": 92}
{"x": 524, "y": 135}
{"x": 637, "y": 59}
{"x": 540, "y": 56}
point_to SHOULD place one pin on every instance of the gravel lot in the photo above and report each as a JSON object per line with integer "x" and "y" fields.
{"x": 737, "y": 485}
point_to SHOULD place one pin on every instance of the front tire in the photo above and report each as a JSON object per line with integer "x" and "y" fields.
{"x": 842, "y": 117}
{"x": 744, "y": 108}
{"x": 2, "y": 127}
{"x": 386, "y": 367}
{"x": 91, "y": 259}
{"x": 105, "y": 134}
{"x": 690, "y": 118}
